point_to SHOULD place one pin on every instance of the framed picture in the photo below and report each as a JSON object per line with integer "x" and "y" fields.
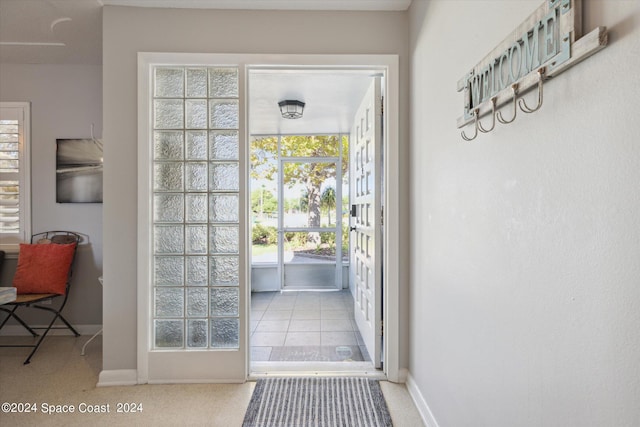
{"x": 78, "y": 171}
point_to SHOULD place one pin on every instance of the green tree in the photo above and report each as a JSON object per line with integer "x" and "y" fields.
{"x": 263, "y": 201}
{"x": 310, "y": 174}
{"x": 328, "y": 201}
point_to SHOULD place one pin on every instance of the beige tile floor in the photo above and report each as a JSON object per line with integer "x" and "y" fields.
{"x": 305, "y": 326}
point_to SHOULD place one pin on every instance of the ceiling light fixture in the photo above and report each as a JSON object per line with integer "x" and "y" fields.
{"x": 291, "y": 109}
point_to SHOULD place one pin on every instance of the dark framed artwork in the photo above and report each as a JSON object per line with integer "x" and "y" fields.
{"x": 78, "y": 171}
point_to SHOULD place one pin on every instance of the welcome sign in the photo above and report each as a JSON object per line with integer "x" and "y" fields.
{"x": 544, "y": 44}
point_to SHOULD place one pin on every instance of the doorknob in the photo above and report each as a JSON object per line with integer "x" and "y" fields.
{"x": 352, "y": 228}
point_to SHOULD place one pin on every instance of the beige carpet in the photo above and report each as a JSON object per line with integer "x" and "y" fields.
{"x": 59, "y": 375}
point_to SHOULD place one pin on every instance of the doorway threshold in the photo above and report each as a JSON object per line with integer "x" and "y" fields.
{"x": 309, "y": 369}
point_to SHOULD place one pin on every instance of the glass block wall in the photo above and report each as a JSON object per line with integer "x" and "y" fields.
{"x": 196, "y": 208}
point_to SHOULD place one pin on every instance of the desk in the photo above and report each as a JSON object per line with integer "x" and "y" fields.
{"x": 7, "y": 294}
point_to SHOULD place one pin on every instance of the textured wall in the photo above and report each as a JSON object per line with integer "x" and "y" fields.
{"x": 525, "y": 266}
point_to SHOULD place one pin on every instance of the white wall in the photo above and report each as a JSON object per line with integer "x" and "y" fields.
{"x": 65, "y": 101}
{"x": 131, "y": 30}
{"x": 525, "y": 260}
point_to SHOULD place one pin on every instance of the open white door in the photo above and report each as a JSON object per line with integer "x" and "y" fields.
{"x": 366, "y": 238}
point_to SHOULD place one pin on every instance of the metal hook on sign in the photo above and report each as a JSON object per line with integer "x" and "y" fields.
{"x": 523, "y": 105}
{"x": 514, "y": 89}
{"x": 475, "y": 125}
{"x": 493, "y": 114}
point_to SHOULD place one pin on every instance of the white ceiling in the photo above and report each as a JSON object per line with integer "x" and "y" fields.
{"x": 331, "y": 98}
{"x": 50, "y": 32}
{"x": 70, "y": 32}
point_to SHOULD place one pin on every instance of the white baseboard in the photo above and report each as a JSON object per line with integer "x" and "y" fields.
{"x": 20, "y": 331}
{"x": 426, "y": 414}
{"x": 116, "y": 377}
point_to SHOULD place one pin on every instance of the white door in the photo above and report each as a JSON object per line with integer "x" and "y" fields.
{"x": 366, "y": 237}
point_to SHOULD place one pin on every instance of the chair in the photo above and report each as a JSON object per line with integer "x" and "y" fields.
{"x": 43, "y": 274}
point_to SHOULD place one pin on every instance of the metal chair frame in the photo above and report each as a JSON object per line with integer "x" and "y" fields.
{"x": 32, "y": 300}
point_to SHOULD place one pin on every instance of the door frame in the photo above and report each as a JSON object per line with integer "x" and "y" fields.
{"x": 389, "y": 65}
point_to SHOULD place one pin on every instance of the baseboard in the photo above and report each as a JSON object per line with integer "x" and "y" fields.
{"x": 426, "y": 414}
{"x": 117, "y": 377}
{"x": 19, "y": 330}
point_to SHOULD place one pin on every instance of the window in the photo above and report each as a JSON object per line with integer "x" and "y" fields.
{"x": 15, "y": 186}
{"x": 196, "y": 208}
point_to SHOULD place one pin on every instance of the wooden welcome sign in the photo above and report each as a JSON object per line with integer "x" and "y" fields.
{"x": 547, "y": 43}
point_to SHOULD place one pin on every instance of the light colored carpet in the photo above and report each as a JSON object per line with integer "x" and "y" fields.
{"x": 59, "y": 375}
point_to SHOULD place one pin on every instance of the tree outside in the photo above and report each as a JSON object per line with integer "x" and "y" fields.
{"x": 311, "y": 184}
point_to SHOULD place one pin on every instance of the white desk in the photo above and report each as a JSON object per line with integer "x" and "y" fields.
{"x": 7, "y": 294}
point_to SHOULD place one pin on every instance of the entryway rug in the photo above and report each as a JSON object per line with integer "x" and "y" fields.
{"x": 317, "y": 402}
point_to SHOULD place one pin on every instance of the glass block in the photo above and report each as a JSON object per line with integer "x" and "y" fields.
{"x": 224, "y": 208}
{"x": 196, "y": 271}
{"x": 225, "y": 301}
{"x": 168, "y": 239}
{"x": 196, "y": 239}
{"x": 167, "y": 177}
{"x": 168, "y": 113}
{"x": 169, "y": 302}
{"x": 223, "y": 114}
{"x": 196, "y": 145}
{"x": 169, "y": 333}
{"x": 224, "y": 271}
{"x": 197, "y": 333}
{"x": 225, "y": 333}
{"x": 169, "y": 82}
{"x": 196, "y": 113}
{"x": 224, "y": 239}
{"x": 168, "y": 207}
{"x": 224, "y": 176}
{"x": 168, "y": 145}
{"x": 196, "y": 177}
{"x": 197, "y": 302}
{"x": 223, "y": 82}
{"x": 223, "y": 145}
{"x": 169, "y": 271}
{"x": 196, "y": 83}
{"x": 196, "y": 207}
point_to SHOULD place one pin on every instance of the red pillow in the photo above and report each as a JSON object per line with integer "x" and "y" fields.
{"x": 43, "y": 268}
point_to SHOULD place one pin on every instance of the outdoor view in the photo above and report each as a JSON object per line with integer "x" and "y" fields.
{"x": 310, "y": 197}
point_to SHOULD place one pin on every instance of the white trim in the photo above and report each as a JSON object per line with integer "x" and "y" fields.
{"x": 144, "y": 213}
{"x": 117, "y": 377}
{"x": 421, "y": 404}
{"x": 373, "y": 5}
{"x": 20, "y": 331}
{"x": 391, "y": 274}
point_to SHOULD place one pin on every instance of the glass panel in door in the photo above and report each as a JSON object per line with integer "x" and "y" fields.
{"x": 310, "y": 225}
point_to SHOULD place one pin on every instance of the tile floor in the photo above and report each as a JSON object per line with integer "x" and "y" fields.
{"x": 305, "y": 326}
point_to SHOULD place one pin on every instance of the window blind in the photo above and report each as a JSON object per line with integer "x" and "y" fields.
{"x": 10, "y": 176}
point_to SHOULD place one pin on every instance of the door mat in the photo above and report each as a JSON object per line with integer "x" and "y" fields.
{"x": 318, "y": 402}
